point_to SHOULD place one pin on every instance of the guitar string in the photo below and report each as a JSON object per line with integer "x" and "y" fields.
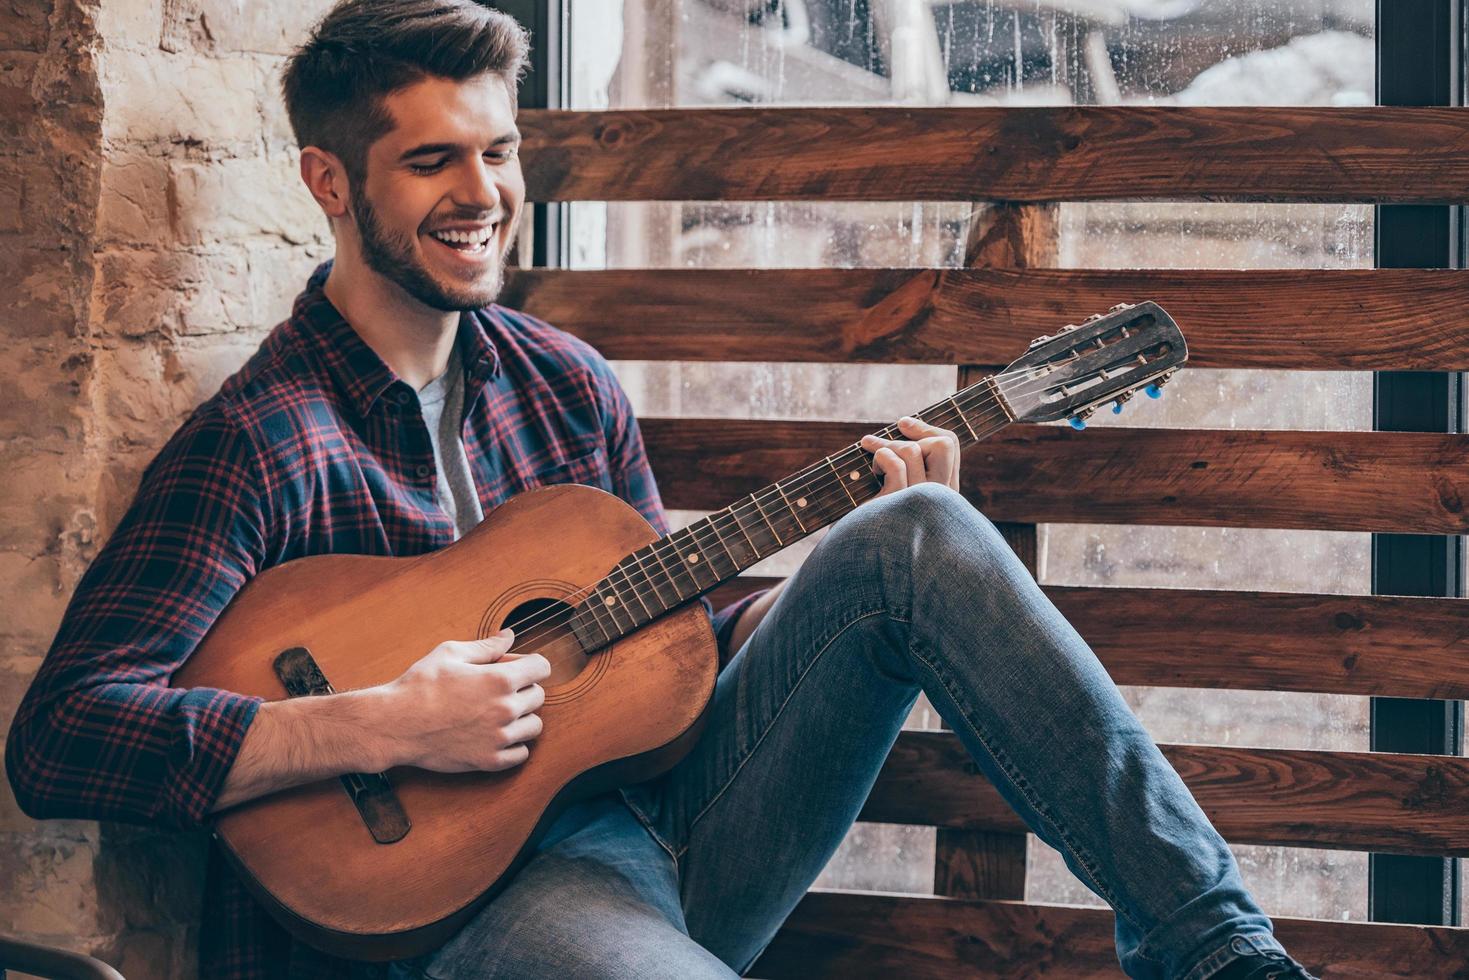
{"x": 810, "y": 476}
{"x": 813, "y": 474}
{"x": 533, "y": 631}
{"x": 573, "y": 647}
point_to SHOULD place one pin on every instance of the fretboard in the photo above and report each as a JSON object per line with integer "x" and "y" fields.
{"x": 685, "y": 564}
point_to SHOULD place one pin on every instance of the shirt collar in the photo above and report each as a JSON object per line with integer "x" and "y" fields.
{"x": 358, "y": 370}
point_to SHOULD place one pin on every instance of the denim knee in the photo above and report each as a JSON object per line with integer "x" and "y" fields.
{"x": 927, "y": 527}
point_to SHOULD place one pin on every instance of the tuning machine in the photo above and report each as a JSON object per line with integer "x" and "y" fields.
{"x": 1155, "y": 389}
{"x": 1078, "y": 421}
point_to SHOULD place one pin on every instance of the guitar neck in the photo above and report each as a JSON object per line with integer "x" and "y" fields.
{"x": 691, "y": 561}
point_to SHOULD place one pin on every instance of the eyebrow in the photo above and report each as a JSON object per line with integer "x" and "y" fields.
{"x": 424, "y": 149}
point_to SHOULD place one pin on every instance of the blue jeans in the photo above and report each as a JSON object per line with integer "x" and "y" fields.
{"x": 691, "y": 874}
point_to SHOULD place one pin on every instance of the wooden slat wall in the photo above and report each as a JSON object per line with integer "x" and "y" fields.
{"x": 863, "y": 935}
{"x": 1384, "y": 646}
{"x": 1302, "y": 320}
{"x": 847, "y": 153}
{"x": 1288, "y": 320}
{"x": 1346, "y": 481}
{"x": 1406, "y": 804}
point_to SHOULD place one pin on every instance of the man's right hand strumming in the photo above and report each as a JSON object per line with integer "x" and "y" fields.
{"x": 466, "y": 706}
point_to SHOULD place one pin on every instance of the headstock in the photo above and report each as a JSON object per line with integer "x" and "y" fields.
{"x": 1108, "y": 357}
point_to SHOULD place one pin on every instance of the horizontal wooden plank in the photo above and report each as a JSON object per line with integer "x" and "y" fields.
{"x": 1404, "y": 804}
{"x": 1310, "y": 320}
{"x": 1384, "y": 646}
{"x": 1074, "y": 153}
{"x": 857, "y": 934}
{"x": 1347, "y": 481}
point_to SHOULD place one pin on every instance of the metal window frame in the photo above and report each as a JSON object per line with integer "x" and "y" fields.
{"x": 545, "y": 86}
{"x": 1420, "y": 48}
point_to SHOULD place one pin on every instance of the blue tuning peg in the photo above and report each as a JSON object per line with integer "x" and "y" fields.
{"x": 1154, "y": 391}
{"x": 1077, "y": 423}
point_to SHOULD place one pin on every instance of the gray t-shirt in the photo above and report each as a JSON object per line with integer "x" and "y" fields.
{"x": 442, "y": 401}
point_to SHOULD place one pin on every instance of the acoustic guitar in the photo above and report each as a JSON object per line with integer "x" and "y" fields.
{"x": 384, "y": 865}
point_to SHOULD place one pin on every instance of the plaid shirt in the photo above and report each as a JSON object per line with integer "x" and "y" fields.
{"x": 313, "y": 447}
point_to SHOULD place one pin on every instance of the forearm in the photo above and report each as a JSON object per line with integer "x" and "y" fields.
{"x": 301, "y": 740}
{"x": 752, "y": 615}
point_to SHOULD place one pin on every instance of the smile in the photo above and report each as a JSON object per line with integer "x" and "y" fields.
{"x": 472, "y": 242}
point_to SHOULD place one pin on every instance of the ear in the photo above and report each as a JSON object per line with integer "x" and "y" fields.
{"x": 326, "y": 179}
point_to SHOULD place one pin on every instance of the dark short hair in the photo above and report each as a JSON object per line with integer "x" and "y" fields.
{"x": 364, "y": 50}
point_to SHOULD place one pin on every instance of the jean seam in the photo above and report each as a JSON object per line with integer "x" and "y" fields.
{"x": 770, "y": 724}
{"x": 1218, "y": 960}
{"x": 1023, "y": 788}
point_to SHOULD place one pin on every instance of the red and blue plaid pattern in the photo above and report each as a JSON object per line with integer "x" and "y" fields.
{"x": 313, "y": 447}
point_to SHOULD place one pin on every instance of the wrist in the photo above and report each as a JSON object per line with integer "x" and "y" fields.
{"x": 381, "y": 738}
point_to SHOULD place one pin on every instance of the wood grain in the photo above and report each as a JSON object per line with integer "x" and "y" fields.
{"x": 849, "y": 153}
{"x": 1403, "y": 804}
{"x": 1384, "y": 646}
{"x": 848, "y": 934}
{"x": 1345, "y": 481}
{"x": 1308, "y": 320}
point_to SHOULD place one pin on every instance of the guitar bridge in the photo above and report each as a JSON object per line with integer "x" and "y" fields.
{"x": 371, "y": 793}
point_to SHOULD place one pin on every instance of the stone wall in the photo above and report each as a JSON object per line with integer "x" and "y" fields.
{"x": 152, "y": 229}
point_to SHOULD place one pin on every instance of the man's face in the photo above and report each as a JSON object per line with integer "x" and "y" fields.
{"x": 442, "y": 197}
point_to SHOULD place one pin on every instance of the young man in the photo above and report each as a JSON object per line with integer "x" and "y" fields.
{"x": 396, "y": 406}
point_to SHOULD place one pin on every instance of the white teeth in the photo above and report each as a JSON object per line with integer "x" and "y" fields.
{"x": 478, "y": 237}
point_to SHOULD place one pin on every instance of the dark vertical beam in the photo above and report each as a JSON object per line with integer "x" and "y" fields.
{"x": 1419, "y": 50}
{"x": 544, "y": 87}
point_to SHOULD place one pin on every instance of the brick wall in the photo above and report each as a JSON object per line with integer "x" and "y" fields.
{"x": 152, "y": 229}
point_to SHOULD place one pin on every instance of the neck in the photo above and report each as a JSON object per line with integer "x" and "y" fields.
{"x": 695, "y": 559}
{"x": 413, "y": 340}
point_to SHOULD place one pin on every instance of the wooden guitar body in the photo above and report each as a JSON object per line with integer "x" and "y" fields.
{"x": 618, "y": 716}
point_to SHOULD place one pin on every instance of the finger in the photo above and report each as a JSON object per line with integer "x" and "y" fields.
{"x": 522, "y": 729}
{"x": 894, "y": 471}
{"x": 527, "y": 670}
{"x": 941, "y": 459}
{"x": 916, "y": 429}
{"x": 487, "y": 650}
{"x": 508, "y": 758}
{"x": 526, "y": 700}
{"x": 911, "y": 453}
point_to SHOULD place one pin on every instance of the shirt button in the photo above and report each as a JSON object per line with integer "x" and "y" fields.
{"x": 403, "y": 398}
{"x": 423, "y": 469}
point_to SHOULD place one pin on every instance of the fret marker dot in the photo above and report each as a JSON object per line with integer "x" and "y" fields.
{"x": 610, "y": 601}
{"x": 693, "y": 559}
{"x": 853, "y": 475}
{"x": 800, "y": 501}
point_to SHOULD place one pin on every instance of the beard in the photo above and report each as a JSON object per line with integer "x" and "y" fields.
{"x": 392, "y": 256}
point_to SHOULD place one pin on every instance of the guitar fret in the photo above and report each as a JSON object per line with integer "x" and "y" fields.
{"x": 633, "y": 588}
{"x": 652, "y": 549}
{"x": 841, "y": 483}
{"x": 754, "y": 551}
{"x": 773, "y": 531}
{"x": 733, "y": 562}
{"x": 591, "y": 607}
{"x": 611, "y": 605}
{"x": 697, "y": 557}
{"x": 794, "y": 516}
{"x": 962, "y": 418}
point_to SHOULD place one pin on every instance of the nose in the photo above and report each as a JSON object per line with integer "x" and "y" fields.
{"x": 480, "y": 189}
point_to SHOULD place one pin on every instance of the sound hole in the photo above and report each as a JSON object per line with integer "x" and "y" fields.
{"x": 542, "y": 625}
